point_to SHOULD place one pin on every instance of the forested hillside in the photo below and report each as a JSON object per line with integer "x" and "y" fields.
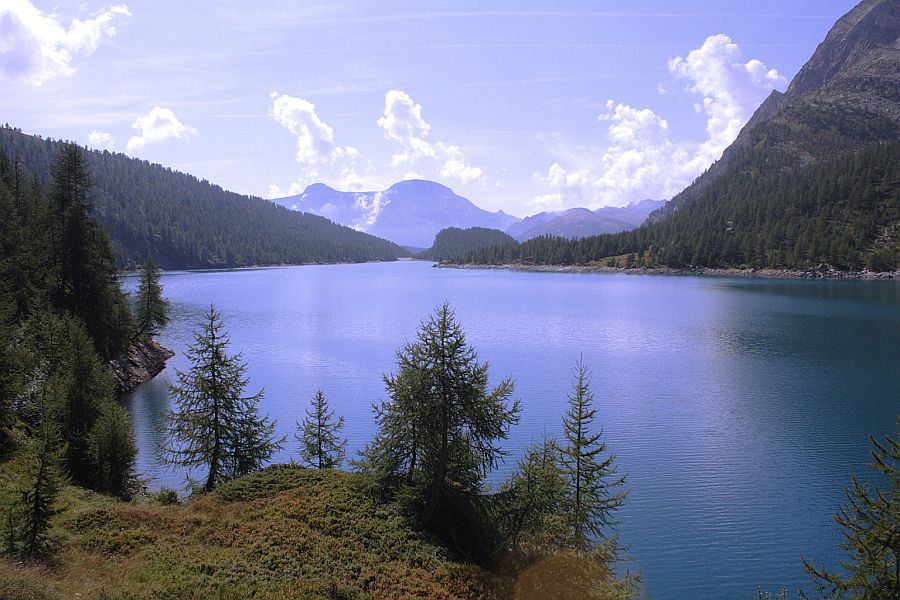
{"x": 454, "y": 241}
{"x": 812, "y": 178}
{"x": 845, "y": 212}
{"x": 183, "y": 222}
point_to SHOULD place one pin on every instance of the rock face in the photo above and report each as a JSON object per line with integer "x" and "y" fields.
{"x": 142, "y": 361}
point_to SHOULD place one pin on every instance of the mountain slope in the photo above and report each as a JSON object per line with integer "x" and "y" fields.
{"x": 581, "y": 222}
{"x": 812, "y": 178}
{"x": 409, "y": 213}
{"x": 845, "y": 97}
{"x": 183, "y": 222}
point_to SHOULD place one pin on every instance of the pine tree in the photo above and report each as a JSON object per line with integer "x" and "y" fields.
{"x": 871, "y": 527}
{"x": 39, "y": 499}
{"x": 215, "y": 426}
{"x": 113, "y": 452}
{"x": 319, "y": 434}
{"x": 444, "y": 420}
{"x": 151, "y": 311}
{"x": 591, "y": 473}
{"x": 86, "y": 277}
{"x": 533, "y": 503}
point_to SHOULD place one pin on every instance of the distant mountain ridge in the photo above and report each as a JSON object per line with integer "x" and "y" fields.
{"x": 581, "y": 222}
{"x": 412, "y": 212}
{"x": 409, "y": 213}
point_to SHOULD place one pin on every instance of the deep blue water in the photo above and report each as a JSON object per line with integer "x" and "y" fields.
{"x": 739, "y": 408}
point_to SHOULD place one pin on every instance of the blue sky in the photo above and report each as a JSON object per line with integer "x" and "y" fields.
{"x": 521, "y": 106}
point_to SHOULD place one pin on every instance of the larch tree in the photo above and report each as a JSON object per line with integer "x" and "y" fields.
{"x": 216, "y": 427}
{"x": 151, "y": 310}
{"x": 319, "y": 435}
{"x": 441, "y": 429}
{"x": 594, "y": 485}
{"x": 870, "y": 523}
{"x": 86, "y": 278}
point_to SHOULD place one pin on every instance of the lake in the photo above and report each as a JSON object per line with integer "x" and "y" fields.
{"x": 738, "y": 407}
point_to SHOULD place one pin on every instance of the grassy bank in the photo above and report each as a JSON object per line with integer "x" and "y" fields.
{"x": 285, "y": 532}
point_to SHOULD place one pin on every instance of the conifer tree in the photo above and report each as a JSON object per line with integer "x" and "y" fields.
{"x": 86, "y": 279}
{"x": 151, "y": 310}
{"x": 593, "y": 481}
{"x": 113, "y": 452}
{"x": 319, "y": 434}
{"x": 870, "y": 523}
{"x": 38, "y": 504}
{"x": 445, "y": 423}
{"x": 533, "y": 502}
{"x": 216, "y": 427}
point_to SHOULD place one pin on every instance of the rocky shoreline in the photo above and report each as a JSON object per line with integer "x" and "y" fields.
{"x": 141, "y": 362}
{"x": 819, "y": 272}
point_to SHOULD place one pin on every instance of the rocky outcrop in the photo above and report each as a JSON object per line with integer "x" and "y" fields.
{"x": 142, "y": 361}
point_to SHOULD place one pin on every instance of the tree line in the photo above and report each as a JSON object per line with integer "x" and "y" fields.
{"x": 760, "y": 212}
{"x": 453, "y": 241}
{"x": 188, "y": 223}
{"x": 63, "y": 316}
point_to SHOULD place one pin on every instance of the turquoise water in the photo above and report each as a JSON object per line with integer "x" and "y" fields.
{"x": 738, "y": 407}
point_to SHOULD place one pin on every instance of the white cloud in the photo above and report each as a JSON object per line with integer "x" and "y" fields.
{"x": 641, "y": 160}
{"x": 730, "y": 90}
{"x": 101, "y": 139}
{"x": 403, "y": 123}
{"x": 315, "y": 138}
{"x": 36, "y": 47}
{"x": 159, "y": 125}
{"x": 457, "y": 167}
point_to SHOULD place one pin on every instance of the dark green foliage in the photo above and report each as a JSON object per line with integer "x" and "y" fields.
{"x": 38, "y": 500}
{"x": 439, "y": 433}
{"x": 151, "y": 310}
{"x": 86, "y": 278}
{"x": 761, "y": 211}
{"x": 319, "y": 434}
{"x": 453, "y": 241}
{"x": 870, "y": 523}
{"x": 215, "y": 427}
{"x": 113, "y": 452}
{"x": 532, "y": 505}
{"x": 593, "y": 484}
{"x": 184, "y": 222}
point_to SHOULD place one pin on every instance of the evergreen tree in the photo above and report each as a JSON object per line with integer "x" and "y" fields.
{"x": 151, "y": 310}
{"x": 215, "y": 426}
{"x": 593, "y": 482}
{"x": 86, "y": 278}
{"x": 871, "y": 527}
{"x": 113, "y": 452}
{"x": 533, "y": 503}
{"x": 445, "y": 423}
{"x": 319, "y": 434}
{"x": 39, "y": 499}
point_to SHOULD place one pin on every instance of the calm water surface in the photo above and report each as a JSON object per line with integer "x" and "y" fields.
{"x": 738, "y": 407}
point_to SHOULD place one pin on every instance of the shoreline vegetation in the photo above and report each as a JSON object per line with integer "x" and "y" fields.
{"x": 819, "y": 272}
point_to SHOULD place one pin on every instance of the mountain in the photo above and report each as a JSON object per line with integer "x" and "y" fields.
{"x": 410, "y": 212}
{"x": 581, "y": 222}
{"x": 812, "y": 178}
{"x": 453, "y": 241}
{"x": 187, "y": 223}
{"x": 844, "y": 98}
